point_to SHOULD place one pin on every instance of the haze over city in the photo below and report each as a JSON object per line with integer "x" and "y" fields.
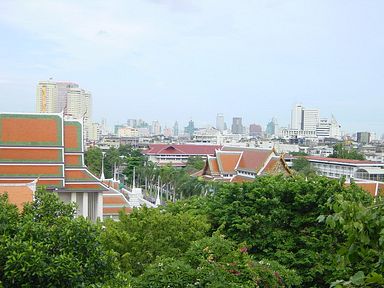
{"x": 182, "y": 60}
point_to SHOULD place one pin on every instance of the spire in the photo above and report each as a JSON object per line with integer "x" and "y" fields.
{"x": 133, "y": 178}
{"x": 114, "y": 172}
{"x": 158, "y": 202}
{"x": 102, "y": 177}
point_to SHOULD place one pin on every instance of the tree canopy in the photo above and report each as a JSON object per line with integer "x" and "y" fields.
{"x": 343, "y": 151}
{"x": 46, "y": 246}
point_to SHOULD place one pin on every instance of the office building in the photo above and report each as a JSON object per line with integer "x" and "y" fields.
{"x": 297, "y": 117}
{"x": 220, "y": 125}
{"x": 363, "y": 137}
{"x": 310, "y": 119}
{"x": 255, "y": 130}
{"x": 237, "y": 125}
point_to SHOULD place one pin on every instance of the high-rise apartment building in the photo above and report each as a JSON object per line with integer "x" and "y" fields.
{"x": 67, "y": 97}
{"x": 237, "y": 125}
{"x": 51, "y": 96}
{"x": 220, "y": 125}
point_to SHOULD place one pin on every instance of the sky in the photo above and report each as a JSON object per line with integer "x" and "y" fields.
{"x": 171, "y": 60}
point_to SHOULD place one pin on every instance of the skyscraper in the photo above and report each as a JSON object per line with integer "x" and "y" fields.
{"x": 220, "y": 122}
{"x": 297, "y": 117}
{"x": 51, "y": 96}
{"x": 176, "y": 129}
{"x": 255, "y": 130}
{"x": 237, "y": 125}
{"x": 310, "y": 120}
{"x": 79, "y": 104}
{"x": 67, "y": 97}
{"x": 304, "y": 118}
{"x": 272, "y": 127}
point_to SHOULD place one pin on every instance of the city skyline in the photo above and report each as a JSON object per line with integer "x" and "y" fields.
{"x": 182, "y": 60}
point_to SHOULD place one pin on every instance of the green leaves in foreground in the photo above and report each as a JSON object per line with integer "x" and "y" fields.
{"x": 47, "y": 246}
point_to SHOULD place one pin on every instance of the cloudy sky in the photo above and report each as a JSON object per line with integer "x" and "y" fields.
{"x": 173, "y": 60}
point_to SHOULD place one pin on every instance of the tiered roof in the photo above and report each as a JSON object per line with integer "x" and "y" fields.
{"x": 238, "y": 164}
{"x": 44, "y": 147}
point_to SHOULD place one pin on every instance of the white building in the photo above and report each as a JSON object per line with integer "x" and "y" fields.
{"x": 351, "y": 169}
{"x": 310, "y": 120}
{"x": 297, "y": 117}
{"x": 328, "y": 128}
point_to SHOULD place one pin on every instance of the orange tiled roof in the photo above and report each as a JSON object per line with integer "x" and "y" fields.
{"x": 227, "y": 161}
{"x": 213, "y": 166}
{"x": 253, "y": 159}
{"x": 19, "y": 194}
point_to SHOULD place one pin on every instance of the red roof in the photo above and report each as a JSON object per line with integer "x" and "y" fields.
{"x": 181, "y": 149}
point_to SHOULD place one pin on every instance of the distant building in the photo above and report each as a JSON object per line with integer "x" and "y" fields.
{"x": 51, "y": 96}
{"x": 177, "y": 154}
{"x": 167, "y": 132}
{"x": 272, "y": 128}
{"x": 310, "y": 119}
{"x": 67, "y": 97}
{"x": 220, "y": 125}
{"x": 94, "y": 132}
{"x": 190, "y": 129}
{"x": 297, "y": 117}
{"x": 255, "y": 130}
{"x": 176, "y": 129}
{"x": 363, "y": 137}
{"x": 328, "y": 128}
{"x": 237, "y": 125}
{"x": 155, "y": 128}
{"x": 127, "y": 132}
{"x": 304, "y": 118}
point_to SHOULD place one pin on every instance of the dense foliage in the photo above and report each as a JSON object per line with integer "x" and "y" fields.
{"x": 46, "y": 246}
{"x": 277, "y": 218}
{"x": 362, "y": 254}
{"x": 303, "y": 166}
{"x": 343, "y": 151}
{"x": 301, "y": 231}
{"x": 145, "y": 234}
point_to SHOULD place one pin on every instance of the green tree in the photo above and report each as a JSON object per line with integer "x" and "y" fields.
{"x": 194, "y": 164}
{"x": 144, "y": 234}
{"x": 342, "y": 151}
{"x": 303, "y": 166}
{"x": 362, "y": 254}
{"x": 92, "y": 159}
{"x": 215, "y": 262}
{"x": 49, "y": 247}
{"x": 277, "y": 217}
